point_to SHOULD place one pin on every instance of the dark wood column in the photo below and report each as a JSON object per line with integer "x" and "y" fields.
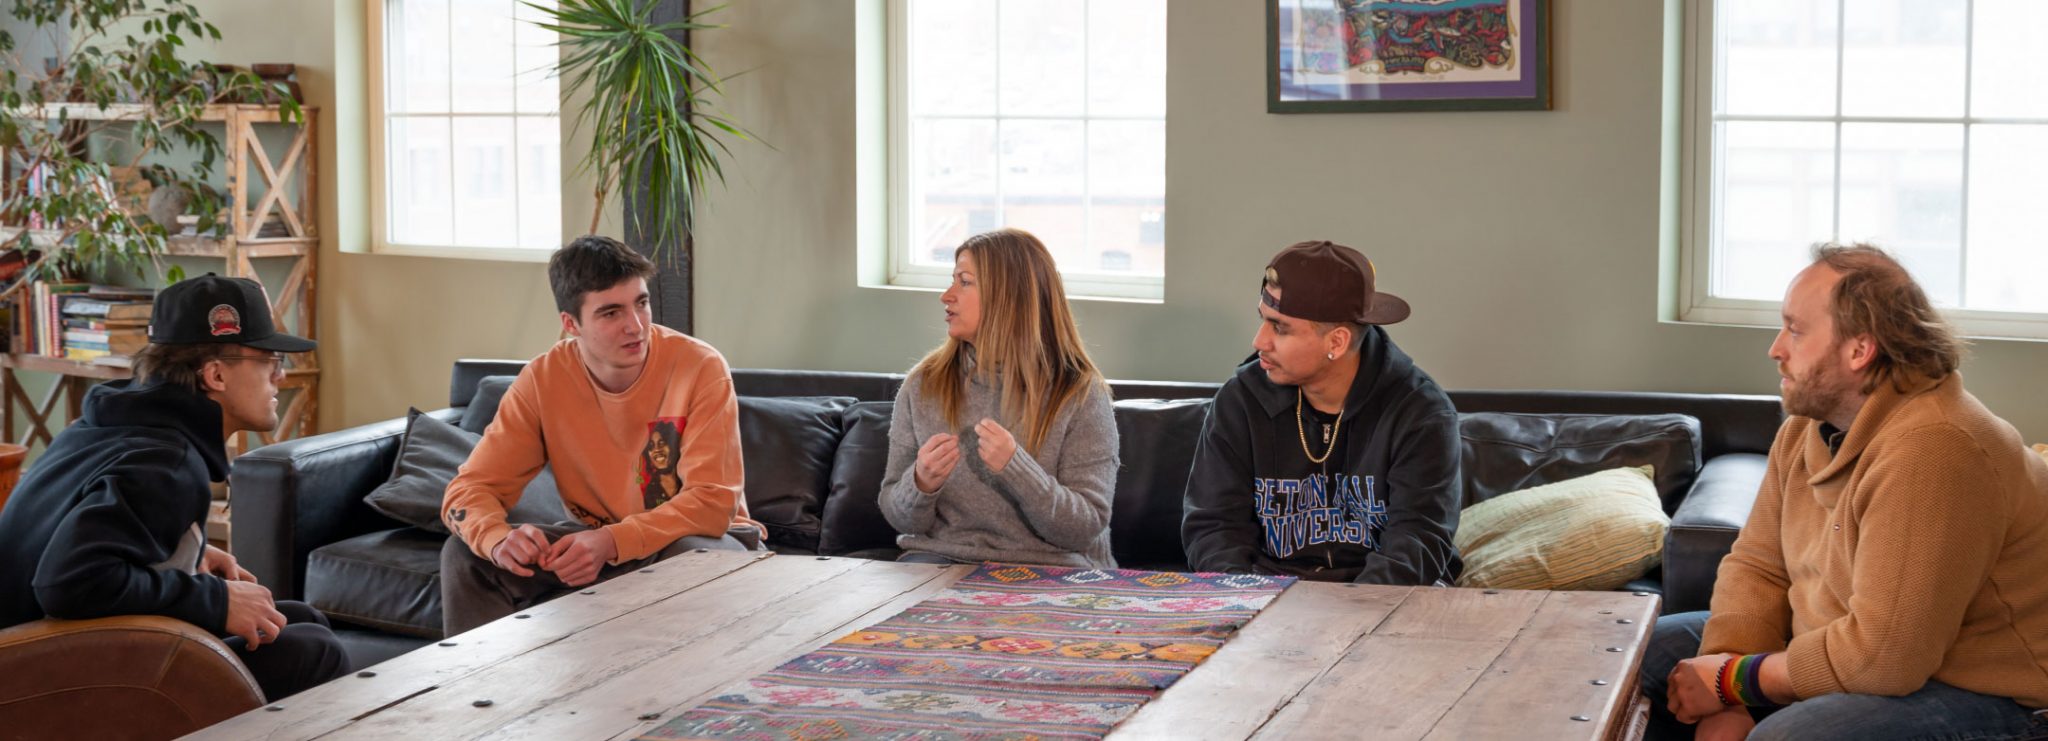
{"x": 670, "y": 291}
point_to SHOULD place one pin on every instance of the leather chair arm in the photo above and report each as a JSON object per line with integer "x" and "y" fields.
{"x": 1705, "y": 526}
{"x": 134, "y": 676}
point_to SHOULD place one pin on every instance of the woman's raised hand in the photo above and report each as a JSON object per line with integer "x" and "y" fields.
{"x": 935, "y": 462}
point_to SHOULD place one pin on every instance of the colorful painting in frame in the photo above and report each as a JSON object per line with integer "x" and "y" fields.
{"x": 1407, "y": 55}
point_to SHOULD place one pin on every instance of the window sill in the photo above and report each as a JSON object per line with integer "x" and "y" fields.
{"x": 492, "y": 254}
{"x": 1974, "y": 325}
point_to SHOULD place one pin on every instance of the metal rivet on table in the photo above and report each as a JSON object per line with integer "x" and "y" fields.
{"x": 1350, "y": 586}
{"x": 647, "y": 571}
{"x": 1580, "y": 718}
{"x": 1642, "y": 594}
{"x": 1614, "y": 649}
{"x": 1599, "y": 682}
{"x": 1625, "y": 621}
{"x": 274, "y": 708}
{"x": 1491, "y": 591}
{"x": 590, "y": 591}
{"x": 1606, "y": 612}
{"x": 480, "y": 704}
{"x": 447, "y": 643}
{"x": 702, "y": 550}
{"x": 824, "y": 558}
{"x": 521, "y": 616}
{"x": 649, "y": 716}
{"x": 366, "y": 674}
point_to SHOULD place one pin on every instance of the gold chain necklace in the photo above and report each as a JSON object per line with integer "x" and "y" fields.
{"x": 1298, "y": 430}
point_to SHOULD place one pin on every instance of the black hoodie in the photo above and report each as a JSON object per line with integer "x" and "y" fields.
{"x": 1380, "y": 511}
{"x": 113, "y": 494}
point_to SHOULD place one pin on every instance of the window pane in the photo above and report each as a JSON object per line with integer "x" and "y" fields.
{"x": 1126, "y": 199}
{"x": 1042, "y": 57}
{"x": 2008, "y": 248}
{"x": 534, "y": 56}
{"x": 1044, "y": 178}
{"x": 1127, "y": 58}
{"x": 417, "y": 181}
{"x": 484, "y": 192}
{"x": 540, "y": 182}
{"x": 416, "y": 56}
{"x": 481, "y": 52}
{"x": 2009, "y": 78}
{"x": 1904, "y": 57}
{"x": 953, "y": 57}
{"x": 1776, "y": 198}
{"x": 1777, "y": 56}
{"x": 954, "y": 194}
{"x": 1902, "y": 189}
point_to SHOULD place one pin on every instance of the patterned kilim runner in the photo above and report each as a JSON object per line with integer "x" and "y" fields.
{"x": 1008, "y": 652}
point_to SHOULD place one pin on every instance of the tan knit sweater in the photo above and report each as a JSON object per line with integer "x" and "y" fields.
{"x": 1918, "y": 551}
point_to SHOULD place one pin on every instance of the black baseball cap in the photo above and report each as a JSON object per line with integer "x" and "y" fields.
{"x": 210, "y": 309}
{"x": 1323, "y": 281}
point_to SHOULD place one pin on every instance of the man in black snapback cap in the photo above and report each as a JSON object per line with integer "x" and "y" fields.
{"x": 107, "y": 521}
{"x": 1329, "y": 455}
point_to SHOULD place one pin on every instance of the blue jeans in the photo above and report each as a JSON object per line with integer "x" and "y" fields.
{"x": 1935, "y": 711}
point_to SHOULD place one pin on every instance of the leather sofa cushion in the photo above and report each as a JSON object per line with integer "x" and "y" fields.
{"x": 429, "y": 456}
{"x": 788, "y": 444}
{"x": 483, "y": 407}
{"x": 853, "y": 518}
{"x": 1158, "y": 440}
{"x": 1705, "y": 526}
{"x": 1508, "y": 452}
{"x": 389, "y": 580}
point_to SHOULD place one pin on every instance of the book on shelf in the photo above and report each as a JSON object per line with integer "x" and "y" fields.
{"x": 102, "y": 324}
{"x": 120, "y": 341}
{"x": 84, "y": 355}
{"x": 110, "y": 310}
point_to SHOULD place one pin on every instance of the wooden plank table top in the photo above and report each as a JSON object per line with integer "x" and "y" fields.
{"x": 1322, "y": 661}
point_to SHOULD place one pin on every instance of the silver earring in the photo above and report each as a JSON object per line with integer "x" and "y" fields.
{"x": 1330, "y": 355}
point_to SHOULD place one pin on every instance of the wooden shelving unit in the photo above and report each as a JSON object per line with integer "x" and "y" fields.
{"x": 288, "y": 190}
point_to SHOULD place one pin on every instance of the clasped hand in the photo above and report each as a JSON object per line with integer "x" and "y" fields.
{"x": 576, "y": 558}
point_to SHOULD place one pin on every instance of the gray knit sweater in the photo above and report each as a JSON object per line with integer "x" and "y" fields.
{"x": 1049, "y": 509}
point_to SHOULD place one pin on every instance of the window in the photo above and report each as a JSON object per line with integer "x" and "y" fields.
{"x": 1044, "y": 115}
{"x": 469, "y": 134}
{"x": 1916, "y": 125}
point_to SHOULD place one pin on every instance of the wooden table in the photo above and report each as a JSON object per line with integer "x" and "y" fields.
{"x": 1322, "y": 661}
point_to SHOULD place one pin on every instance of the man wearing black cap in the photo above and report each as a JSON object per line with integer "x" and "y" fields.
{"x": 1330, "y": 456}
{"x": 107, "y": 521}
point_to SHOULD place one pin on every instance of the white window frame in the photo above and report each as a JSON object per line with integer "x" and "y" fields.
{"x": 380, "y": 234}
{"x": 903, "y": 271}
{"x": 1696, "y": 300}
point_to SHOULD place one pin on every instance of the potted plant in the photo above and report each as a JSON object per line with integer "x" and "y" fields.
{"x": 654, "y": 136}
{"x": 115, "y": 77}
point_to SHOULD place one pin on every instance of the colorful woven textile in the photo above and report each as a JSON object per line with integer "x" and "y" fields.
{"x": 1008, "y": 652}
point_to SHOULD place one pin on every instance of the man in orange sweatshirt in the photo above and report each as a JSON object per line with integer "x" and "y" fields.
{"x": 641, "y": 425}
{"x": 1888, "y": 584}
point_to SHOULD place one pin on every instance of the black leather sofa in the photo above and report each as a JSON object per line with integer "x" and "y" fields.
{"x": 816, "y": 442}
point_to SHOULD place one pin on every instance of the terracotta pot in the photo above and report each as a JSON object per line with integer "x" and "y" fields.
{"x": 11, "y": 456}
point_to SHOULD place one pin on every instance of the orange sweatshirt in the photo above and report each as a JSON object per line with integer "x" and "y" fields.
{"x": 654, "y": 463}
{"x": 1914, "y": 552}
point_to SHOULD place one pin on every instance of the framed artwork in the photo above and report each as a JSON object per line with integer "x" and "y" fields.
{"x": 1407, "y": 55}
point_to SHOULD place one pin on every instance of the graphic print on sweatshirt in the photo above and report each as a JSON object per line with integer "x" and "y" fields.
{"x": 1318, "y": 509}
{"x": 659, "y": 480}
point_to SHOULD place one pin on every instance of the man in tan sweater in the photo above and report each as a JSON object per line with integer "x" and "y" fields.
{"x": 641, "y": 425}
{"x": 1892, "y": 580}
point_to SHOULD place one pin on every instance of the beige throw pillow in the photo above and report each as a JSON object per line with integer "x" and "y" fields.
{"x": 1598, "y": 531}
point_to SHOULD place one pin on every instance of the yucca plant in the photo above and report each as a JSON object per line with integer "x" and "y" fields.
{"x": 108, "y": 52}
{"x": 649, "y": 112}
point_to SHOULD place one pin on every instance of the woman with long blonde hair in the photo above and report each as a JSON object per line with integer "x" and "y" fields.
{"x": 1002, "y": 445}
